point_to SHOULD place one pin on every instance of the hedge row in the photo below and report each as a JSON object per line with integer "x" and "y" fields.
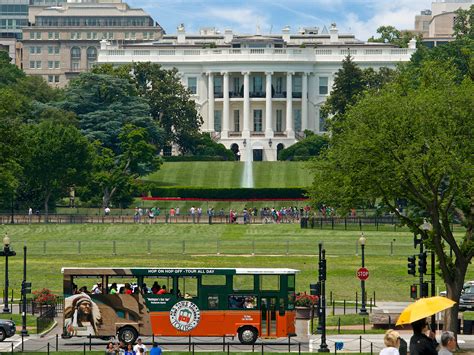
{"x": 155, "y": 190}
{"x": 194, "y": 158}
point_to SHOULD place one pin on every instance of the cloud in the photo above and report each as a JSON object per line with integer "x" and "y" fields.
{"x": 241, "y": 20}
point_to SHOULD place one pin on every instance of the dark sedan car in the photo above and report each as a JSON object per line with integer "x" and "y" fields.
{"x": 7, "y": 329}
{"x": 467, "y": 299}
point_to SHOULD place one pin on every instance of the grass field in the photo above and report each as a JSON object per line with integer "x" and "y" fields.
{"x": 51, "y": 247}
{"x": 229, "y": 174}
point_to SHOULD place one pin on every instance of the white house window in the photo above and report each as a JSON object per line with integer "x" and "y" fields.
{"x": 192, "y": 84}
{"x": 279, "y": 120}
{"x": 218, "y": 86}
{"x": 257, "y": 120}
{"x": 257, "y": 84}
{"x": 236, "y": 121}
{"x": 217, "y": 120}
{"x": 323, "y": 85}
{"x": 297, "y": 119}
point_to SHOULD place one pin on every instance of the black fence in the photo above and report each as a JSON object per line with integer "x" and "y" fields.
{"x": 46, "y": 318}
{"x": 38, "y": 309}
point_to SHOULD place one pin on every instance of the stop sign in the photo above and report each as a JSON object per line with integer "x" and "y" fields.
{"x": 363, "y": 273}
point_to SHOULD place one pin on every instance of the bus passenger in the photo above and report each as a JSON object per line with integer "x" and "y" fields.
{"x": 155, "y": 288}
{"x": 128, "y": 289}
{"x": 163, "y": 290}
{"x": 113, "y": 289}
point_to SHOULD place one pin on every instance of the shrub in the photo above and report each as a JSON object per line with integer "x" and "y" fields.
{"x": 304, "y": 300}
{"x": 44, "y": 296}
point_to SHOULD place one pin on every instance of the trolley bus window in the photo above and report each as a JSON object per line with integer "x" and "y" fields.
{"x": 269, "y": 282}
{"x": 291, "y": 282}
{"x": 242, "y": 302}
{"x": 213, "y": 280}
{"x": 213, "y": 302}
{"x": 243, "y": 283}
{"x": 188, "y": 286}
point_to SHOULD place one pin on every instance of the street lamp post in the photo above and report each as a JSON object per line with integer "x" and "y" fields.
{"x": 6, "y": 252}
{"x": 427, "y": 227}
{"x": 363, "y": 310}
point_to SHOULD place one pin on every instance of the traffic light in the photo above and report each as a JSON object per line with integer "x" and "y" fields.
{"x": 424, "y": 290}
{"x": 413, "y": 291}
{"x": 422, "y": 263}
{"x": 322, "y": 270}
{"x": 315, "y": 289}
{"x": 412, "y": 265}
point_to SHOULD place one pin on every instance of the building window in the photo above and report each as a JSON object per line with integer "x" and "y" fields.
{"x": 53, "y": 35}
{"x": 236, "y": 86}
{"x": 217, "y": 121}
{"x": 35, "y": 64}
{"x": 279, "y": 85}
{"x": 192, "y": 85}
{"x": 53, "y": 50}
{"x": 236, "y": 121}
{"x": 297, "y": 84}
{"x": 297, "y": 119}
{"x": 257, "y": 120}
{"x": 91, "y": 56}
{"x": 323, "y": 85}
{"x": 35, "y": 35}
{"x": 75, "y": 58}
{"x": 35, "y": 50}
{"x": 91, "y": 35}
{"x": 279, "y": 120}
{"x": 218, "y": 86}
{"x": 53, "y": 78}
{"x": 75, "y": 35}
{"x": 257, "y": 83}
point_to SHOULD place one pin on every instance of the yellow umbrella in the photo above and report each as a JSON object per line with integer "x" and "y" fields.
{"x": 423, "y": 308}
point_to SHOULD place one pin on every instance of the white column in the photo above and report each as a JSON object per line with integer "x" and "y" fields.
{"x": 304, "y": 102}
{"x": 210, "y": 101}
{"x": 268, "y": 105}
{"x": 290, "y": 133}
{"x": 246, "y": 128}
{"x": 226, "y": 107}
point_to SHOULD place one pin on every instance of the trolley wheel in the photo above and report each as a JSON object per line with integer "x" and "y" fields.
{"x": 127, "y": 335}
{"x": 248, "y": 335}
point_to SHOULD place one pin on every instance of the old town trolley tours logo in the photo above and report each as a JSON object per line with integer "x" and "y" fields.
{"x": 185, "y": 316}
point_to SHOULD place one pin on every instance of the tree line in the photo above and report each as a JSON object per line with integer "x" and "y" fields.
{"x": 96, "y": 136}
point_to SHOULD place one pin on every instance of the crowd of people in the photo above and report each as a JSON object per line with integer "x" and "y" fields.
{"x": 423, "y": 341}
{"x": 130, "y": 349}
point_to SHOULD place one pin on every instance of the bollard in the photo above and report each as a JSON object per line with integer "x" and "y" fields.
{"x": 330, "y": 297}
{"x": 48, "y": 349}
{"x": 228, "y": 349}
{"x": 360, "y": 343}
{"x": 14, "y": 348}
{"x": 333, "y": 307}
{"x": 57, "y": 342}
{"x": 344, "y": 306}
{"x": 84, "y": 348}
{"x": 374, "y": 300}
{"x": 262, "y": 349}
{"x": 90, "y": 343}
{"x": 193, "y": 349}
{"x": 371, "y": 348}
{"x": 152, "y": 338}
{"x": 223, "y": 343}
{"x": 339, "y": 325}
{"x": 189, "y": 340}
{"x": 363, "y": 323}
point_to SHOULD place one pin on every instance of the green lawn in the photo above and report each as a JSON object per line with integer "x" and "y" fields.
{"x": 229, "y": 174}
{"x": 30, "y": 321}
{"x": 51, "y": 247}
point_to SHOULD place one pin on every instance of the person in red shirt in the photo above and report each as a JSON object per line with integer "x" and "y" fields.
{"x": 128, "y": 289}
{"x": 163, "y": 290}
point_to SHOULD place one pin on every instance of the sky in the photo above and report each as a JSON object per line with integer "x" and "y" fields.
{"x": 360, "y": 17}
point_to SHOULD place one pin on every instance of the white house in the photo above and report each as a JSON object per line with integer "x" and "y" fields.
{"x": 258, "y": 93}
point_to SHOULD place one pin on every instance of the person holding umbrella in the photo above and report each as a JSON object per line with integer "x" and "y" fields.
{"x": 420, "y": 343}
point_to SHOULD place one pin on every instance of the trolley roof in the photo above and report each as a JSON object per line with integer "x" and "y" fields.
{"x": 144, "y": 271}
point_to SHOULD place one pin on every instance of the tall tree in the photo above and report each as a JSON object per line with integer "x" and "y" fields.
{"x": 104, "y": 104}
{"x": 389, "y": 34}
{"x": 170, "y": 103}
{"x": 9, "y": 73}
{"x": 349, "y": 83}
{"x": 59, "y": 157}
{"x": 412, "y": 140}
{"x": 115, "y": 173}
{"x": 464, "y": 23}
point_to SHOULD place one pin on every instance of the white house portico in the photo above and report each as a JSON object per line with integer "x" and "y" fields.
{"x": 258, "y": 94}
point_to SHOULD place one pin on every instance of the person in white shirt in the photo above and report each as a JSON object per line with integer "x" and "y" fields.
{"x": 448, "y": 343}
{"x": 392, "y": 343}
{"x": 139, "y": 345}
